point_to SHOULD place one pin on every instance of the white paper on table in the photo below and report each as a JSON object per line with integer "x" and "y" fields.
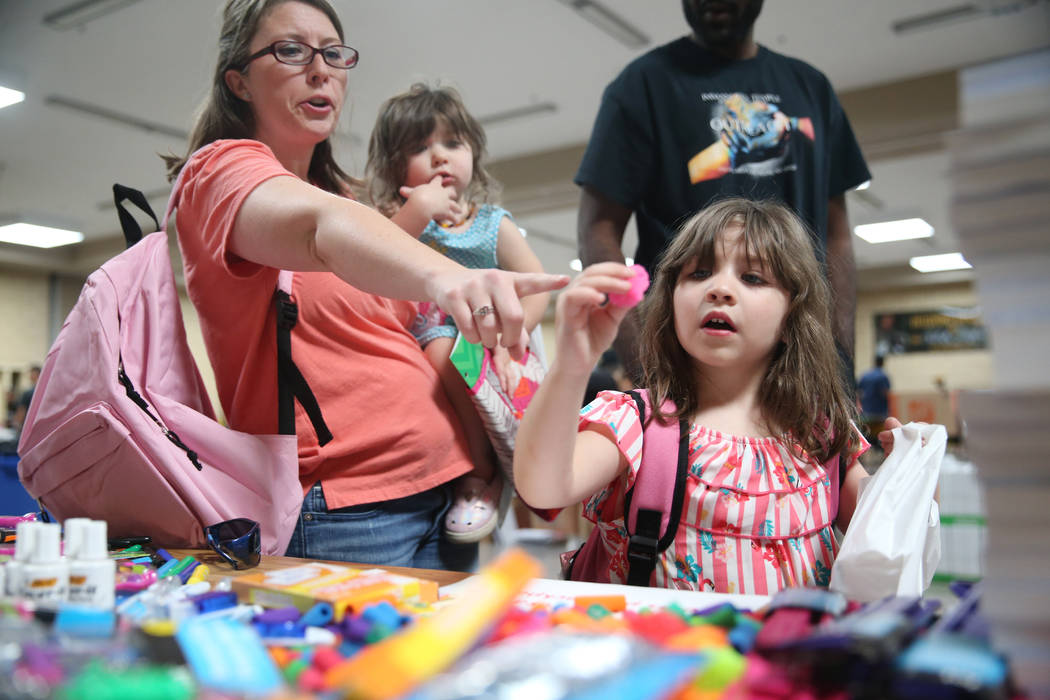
{"x": 548, "y": 593}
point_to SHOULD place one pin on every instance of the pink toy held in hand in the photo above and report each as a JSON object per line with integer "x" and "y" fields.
{"x": 639, "y": 283}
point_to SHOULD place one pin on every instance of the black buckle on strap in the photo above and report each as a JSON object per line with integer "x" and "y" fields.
{"x": 641, "y": 550}
{"x": 287, "y": 311}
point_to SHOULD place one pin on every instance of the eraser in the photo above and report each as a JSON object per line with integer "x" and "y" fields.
{"x": 639, "y": 283}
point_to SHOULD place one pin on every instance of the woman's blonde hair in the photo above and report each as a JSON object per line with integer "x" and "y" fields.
{"x": 223, "y": 115}
{"x": 802, "y": 394}
{"x": 405, "y": 121}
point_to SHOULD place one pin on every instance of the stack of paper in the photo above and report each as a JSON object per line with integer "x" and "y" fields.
{"x": 1006, "y": 436}
{"x": 1001, "y": 214}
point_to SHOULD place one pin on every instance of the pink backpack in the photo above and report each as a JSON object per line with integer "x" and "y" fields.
{"x": 654, "y": 504}
{"x": 121, "y": 428}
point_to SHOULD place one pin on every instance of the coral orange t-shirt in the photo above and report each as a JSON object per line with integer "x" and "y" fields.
{"x": 395, "y": 432}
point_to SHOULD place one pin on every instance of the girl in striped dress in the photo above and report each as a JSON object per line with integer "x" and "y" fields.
{"x": 736, "y": 333}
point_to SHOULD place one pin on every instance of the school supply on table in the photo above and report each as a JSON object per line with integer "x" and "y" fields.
{"x": 489, "y": 636}
{"x": 121, "y": 428}
{"x": 345, "y": 589}
{"x": 401, "y": 662}
{"x": 227, "y": 656}
{"x": 892, "y": 545}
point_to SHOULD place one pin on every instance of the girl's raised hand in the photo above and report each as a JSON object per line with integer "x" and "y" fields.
{"x": 433, "y": 201}
{"x": 585, "y": 322}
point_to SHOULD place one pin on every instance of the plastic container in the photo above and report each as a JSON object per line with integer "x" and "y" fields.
{"x": 92, "y": 574}
{"x": 45, "y": 573}
{"x": 25, "y": 532}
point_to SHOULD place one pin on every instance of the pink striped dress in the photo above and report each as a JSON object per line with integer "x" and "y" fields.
{"x": 755, "y": 517}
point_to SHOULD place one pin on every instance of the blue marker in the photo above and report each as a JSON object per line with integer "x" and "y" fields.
{"x": 167, "y": 567}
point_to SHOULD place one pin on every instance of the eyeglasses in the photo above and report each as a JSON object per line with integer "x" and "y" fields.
{"x": 296, "y": 53}
{"x": 237, "y": 541}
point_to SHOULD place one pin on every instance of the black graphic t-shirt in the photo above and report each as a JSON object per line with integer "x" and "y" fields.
{"x": 681, "y": 127}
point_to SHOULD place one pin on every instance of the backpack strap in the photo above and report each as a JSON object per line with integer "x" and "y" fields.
{"x": 291, "y": 384}
{"x": 654, "y": 504}
{"x": 835, "y": 468}
{"x": 131, "y": 229}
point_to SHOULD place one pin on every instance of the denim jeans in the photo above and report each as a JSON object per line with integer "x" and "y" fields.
{"x": 403, "y": 532}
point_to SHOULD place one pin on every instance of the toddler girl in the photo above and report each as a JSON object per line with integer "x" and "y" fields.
{"x": 737, "y": 342}
{"x": 425, "y": 173}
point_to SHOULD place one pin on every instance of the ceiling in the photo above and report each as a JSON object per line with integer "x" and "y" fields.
{"x": 148, "y": 63}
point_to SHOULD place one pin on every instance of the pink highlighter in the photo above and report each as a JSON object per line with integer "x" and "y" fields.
{"x": 639, "y": 283}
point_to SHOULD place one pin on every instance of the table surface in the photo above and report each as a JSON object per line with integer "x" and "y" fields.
{"x": 218, "y": 568}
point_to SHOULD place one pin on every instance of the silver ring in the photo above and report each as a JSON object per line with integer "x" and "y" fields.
{"x": 484, "y": 311}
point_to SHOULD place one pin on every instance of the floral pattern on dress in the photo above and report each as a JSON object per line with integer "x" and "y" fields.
{"x": 755, "y": 518}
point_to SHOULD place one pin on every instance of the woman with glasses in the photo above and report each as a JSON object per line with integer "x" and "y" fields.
{"x": 260, "y": 192}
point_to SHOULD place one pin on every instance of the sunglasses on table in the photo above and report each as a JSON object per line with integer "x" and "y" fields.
{"x": 237, "y": 541}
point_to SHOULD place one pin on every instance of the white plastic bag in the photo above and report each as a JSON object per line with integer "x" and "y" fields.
{"x": 893, "y": 545}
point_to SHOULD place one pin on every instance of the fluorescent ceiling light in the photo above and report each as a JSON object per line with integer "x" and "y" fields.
{"x": 38, "y": 236}
{"x": 609, "y": 22}
{"x": 940, "y": 263}
{"x": 517, "y": 113}
{"x": 902, "y": 230}
{"x": 967, "y": 10}
{"x": 79, "y": 13}
{"x": 10, "y": 97}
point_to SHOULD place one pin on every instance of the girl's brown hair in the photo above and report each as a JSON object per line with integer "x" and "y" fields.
{"x": 223, "y": 115}
{"x": 802, "y": 394}
{"x": 405, "y": 121}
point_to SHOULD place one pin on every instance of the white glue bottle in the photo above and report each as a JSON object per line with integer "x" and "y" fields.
{"x": 24, "y": 533}
{"x": 92, "y": 574}
{"x": 45, "y": 574}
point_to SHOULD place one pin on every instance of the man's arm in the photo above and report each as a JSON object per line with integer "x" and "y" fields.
{"x": 600, "y": 226}
{"x": 842, "y": 273}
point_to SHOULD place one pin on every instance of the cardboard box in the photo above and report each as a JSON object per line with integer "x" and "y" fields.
{"x": 346, "y": 589}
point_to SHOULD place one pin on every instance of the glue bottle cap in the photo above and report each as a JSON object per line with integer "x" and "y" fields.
{"x": 93, "y": 543}
{"x": 25, "y": 533}
{"x": 44, "y": 546}
{"x": 74, "y": 536}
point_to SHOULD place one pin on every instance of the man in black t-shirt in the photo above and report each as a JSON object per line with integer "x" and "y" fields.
{"x": 713, "y": 115}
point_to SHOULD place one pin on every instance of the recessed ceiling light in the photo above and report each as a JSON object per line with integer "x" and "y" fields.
{"x": 863, "y": 186}
{"x": 939, "y": 263}
{"x": 38, "y": 236}
{"x": 10, "y": 97}
{"x": 886, "y": 231}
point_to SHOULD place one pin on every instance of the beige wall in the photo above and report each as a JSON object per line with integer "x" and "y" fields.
{"x": 912, "y": 372}
{"x": 24, "y": 301}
